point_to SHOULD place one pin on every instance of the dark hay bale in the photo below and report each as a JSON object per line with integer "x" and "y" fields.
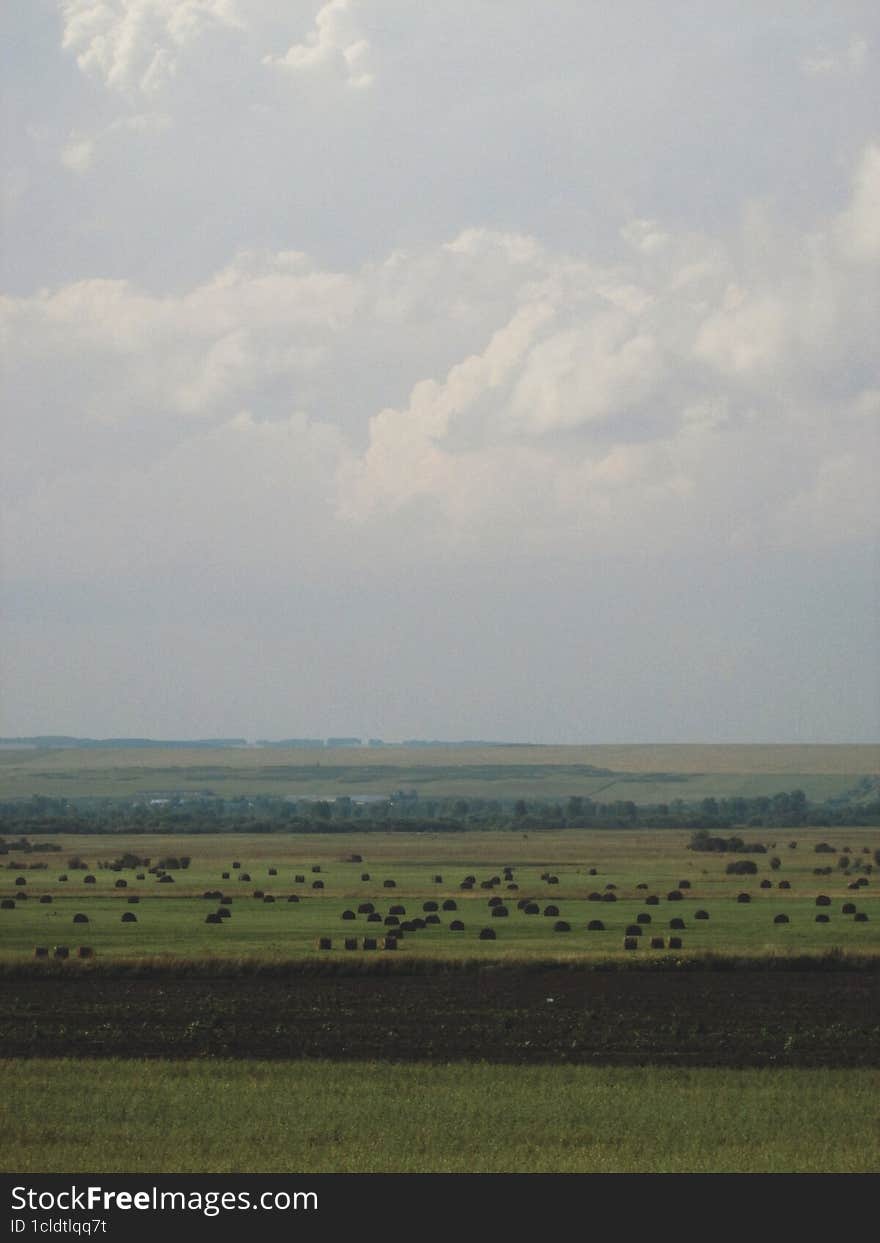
{"x": 79, "y": 918}
{"x": 348, "y": 915}
{"x": 657, "y": 943}
{"x": 245, "y": 878}
{"x": 677, "y": 923}
{"x": 353, "y": 858}
{"x": 450, "y": 905}
{"x": 140, "y": 876}
{"x": 561, "y": 926}
{"x": 860, "y": 917}
{"x": 121, "y": 884}
{"x": 317, "y": 884}
{"x": 675, "y": 943}
{"x": 41, "y": 951}
{"x": 630, "y": 943}
{"x": 20, "y": 896}
{"x": 365, "y": 875}
{"x": 7, "y": 905}
{"x": 87, "y": 880}
{"x": 128, "y": 917}
{"x": 166, "y": 879}
{"x": 213, "y": 895}
{"x": 486, "y": 884}
{"x": 224, "y": 912}
{"x": 823, "y": 900}
{"x": 213, "y": 918}
{"x": 134, "y": 900}
{"x": 366, "y": 908}
{"x": 641, "y": 885}
{"x": 595, "y": 925}
{"x": 643, "y": 918}
{"x": 785, "y": 884}
{"x": 594, "y": 897}
{"x": 299, "y": 880}
{"x": 848, "y": 908}
{"x": 592, "y": 872}
{"x": 531, "y": 908}
{"x": 268, "y": 898}
{"x": 674, "y": 895}
{"x": 369, "y": 943}
{"x": 684, "y": 884}
{"x": 701, "y": 914}
{"x": 226, "y": 901}
{"x": 854, "y": 884}
{"x": 429, "y": 906}
{"x": 501, "y": 912}
{"x": 438, "y": 880}
{"x": 62, "y": 878}
{"x": 470, "y": 880}
{"x": 766, "y": 884}
{"x": 780, "y": 919}
{"x": 633, "y": 930}
{"x": 236, "y": 864}
{"x": 610, "y": 886}
{"x": 273, "y": 871}
{"x": 552, "y": 911}
{"x": 743, "y": 897}
{"x": 418, "y": 923}
{"x": 20, "y": 880}
{"x": 487, "y": 934}
{"x": 391, "y": 921}
{"x": 494, "y": 880}
{"x": 389, "y": 943}
{"x": 408, "y": 925}
{"x": 61, "y": 951}
{"x": 325, "y": 943}
{"x": 397, "y": 910}
{"x": 225, "y": 876}
{"x": 863, "y": 880}
{"x": 823, "y": 919}
{"x": 316, "y": 867}
{"x": 545, "y": 875}
{"x": 552, "y": 880}
{"x": 456, "y": 926}
{"x": 258, "y": 893}
{"x": 293, "y": 898}
{"x": 374, "y": 918}
{"x": 389, "y": 884}
{"x": 46, "y": 899}
{"x": 653, "y": 900}
{"x": 496, "y": 901}
{"x": 609, "y": 897}
{"x": 433, "y": 919}
{"x": 466, "y": 884}
{"x": 350, "y": 943}
{"x": 512, "y": 887}
{"x": 85, "y": 951}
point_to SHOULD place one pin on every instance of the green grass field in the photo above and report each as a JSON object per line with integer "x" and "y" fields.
{"x": 170, "y": 918}
{"x": 121, "y": 1116}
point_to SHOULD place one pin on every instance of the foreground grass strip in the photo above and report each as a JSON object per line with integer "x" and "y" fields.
{"x": 125, "y": 1116}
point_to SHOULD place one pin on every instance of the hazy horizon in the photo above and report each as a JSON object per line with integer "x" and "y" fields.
{"x": 443, "y": 372}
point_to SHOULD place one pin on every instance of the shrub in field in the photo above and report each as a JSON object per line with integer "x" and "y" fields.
{"x": 823, "y": 848}
{"x": 642, "y": 885}
{"x": 224, "y": 876}
{"x": 531, "y": 908}
{"x": 316, "y": 867}
{"x": 259, "y": 893}
{"x": 552, "y": 911}
{"x": 63, "y": 879}
{"x": 224, "y": 912}
{"x": 20, "y": 880}
{"x": 273, "y": 871}
{"x": 390, "y": 943}
{"x": 594, "y": 897}
{"x": 166, "y": 880}
{"x": 432, "y": 919}
{"x": 121, "y": 884}
{"x": 245, "y": 878}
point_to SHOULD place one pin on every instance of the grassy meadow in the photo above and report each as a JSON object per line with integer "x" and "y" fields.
{"x": 311, "y": 1117}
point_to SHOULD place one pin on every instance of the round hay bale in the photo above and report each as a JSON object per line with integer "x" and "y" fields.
{"x": 390, "y": 943}
{"x": 268, "y": 898}
{"x": 429, "y": 906}
{"x": 456, "y": 926}
{"x": 486, "y": 884}
{"x": 225, "y": 901}
{"x": 213, "y": 918}
{"x": 501, "y": 912}
{"x": 592, "y": 872}
{"x": 87, "y": 880}
{"x": 561, "y": 926}
{"x": 397, "y": 910}
{"x": 630, "y": 943}
{"x": 780, "y": 919}
{"x": 496, "y": 901}
{"x": 365, "y": 908}
{"x": 494, "y": 880}
{"x": 552, "y": 911}
{"x": 236, "y": 864}
{"x": 653, "y": 900}
{"x": 62, "y": 878}
{"x": 487, "y": 934}
{"x": 293, "y": 898}
{"x": 531, "y": 908}
{"x": 369, "y": 943}
{"x": 317, "y": 884}
{"x": 470, "y": 880}
{"x": 433, "y": 919}
{"x": 450, "y": 905}
{"x": 863, "y": 880}
{"x": 785, "y": 884}
{"x": 848, "y": 908}
{"x": 224, "y": 876}
{"x": 408, "y": 925}
{"x": 657, "y": 943}
{"x": 245, "y": 878}
{"x": 743, "y": 897}
{"x": 418, "y": 923}
{"x": 766, "y": 884}
{"x": 595, "y": 925}
{"x": 594, "y": 897}
{"x": 512, "y": 887}
{"x": 7, "y": 905}
{"x": 466, "y": 884}
{"x": 677, "y": 923}
{"x": 325, "y": 943}
{"x": 224, "y": 912}
{"x": 46, "y": 899}
{"x": 365, "y": 875}
{"x": 128, "y": 917}
{"x": 391, "y": 921}
{"x": 316, "y": 867}
{"x": 85, "y": 951}
{"x": 438, "y": 879}
{"x": 675, "y": 943}
{"x": 140, "y": 876}
{"x": 643, "y": 917}
{"x": 552, "y": 880}
{"x": 633, "y": 930}
{"x": 41, "y": 951}
{"x": 823, "y": 900}
{"x": 610, "y": 886}
{"x": 374, "y": 918}
{"x": 121, "y": 884}
{"x": 823, "y": 919}
{"x": 20, "y": 895}
{"x": 61, "y": 951}
{"x": 348, "y": 915}
{"x": 79, "y": 918}
{"x": 350, "y": 943}
{"x": 545, "y": 875}
{"x": 213, "y": 895}
{"x": 273, "y": 871}
{"x": 675, "y": 895}
{"x": 701, "y": 914}
{"x": 854, "y": 884}
{"x": 389, "y": 884}
{"x": 860, "y": 917}
{"x": 641, "y": 885}
{"x": 20, "y": 880}
{"x": 609, "y": 897}
{"x": 133, "y": 900}
{"x": 684, "y": 884}
{"x": 167, "y": 879}
{"x": 299, "y": 880}
{"x": 258, "y": 893}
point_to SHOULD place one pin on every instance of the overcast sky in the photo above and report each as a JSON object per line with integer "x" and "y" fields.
{"x": 483, "y": 369}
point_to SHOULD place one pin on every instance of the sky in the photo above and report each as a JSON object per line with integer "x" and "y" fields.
{"x": 487, "y": 369}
